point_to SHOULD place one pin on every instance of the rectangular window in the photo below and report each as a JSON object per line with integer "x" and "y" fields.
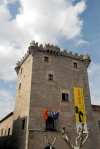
{"x": 23, "y": 124}
{"x": 46, "y": 59}
{"x": 50, "y": 77}
{"x": 19, "y": 86}
{"x": 8, "y": 131}
{"x": 21, "y": 70}
{"x": 64, "y": 96}
{"x": 99, "y": 124}
{"x": 1, "y": 132}
{"x": 75, "y": 65}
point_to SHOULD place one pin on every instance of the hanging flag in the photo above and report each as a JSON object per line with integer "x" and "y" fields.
{"x": 55, "y": 116}
{"x": 46, "y": 115}
{"x": 58, "y": 110}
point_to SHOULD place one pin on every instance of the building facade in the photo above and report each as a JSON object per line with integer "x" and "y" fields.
{"x": 46, "y": 78}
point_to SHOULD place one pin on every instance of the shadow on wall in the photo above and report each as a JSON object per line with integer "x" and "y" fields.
{"x": 5, "y": 142}
{"x": 18, "y": 137}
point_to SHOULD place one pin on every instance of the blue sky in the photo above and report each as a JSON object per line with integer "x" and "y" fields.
{"x": 73, "y": 25}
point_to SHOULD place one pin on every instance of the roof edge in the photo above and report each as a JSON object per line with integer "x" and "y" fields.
{"x": 95, "y": 106}
{"x": 10, "y": 114}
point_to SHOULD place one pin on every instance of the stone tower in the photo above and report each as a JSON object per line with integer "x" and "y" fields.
{"x": 46, "y": 77}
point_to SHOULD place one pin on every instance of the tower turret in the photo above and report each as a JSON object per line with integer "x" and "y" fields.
{"x": 87, "y": 59}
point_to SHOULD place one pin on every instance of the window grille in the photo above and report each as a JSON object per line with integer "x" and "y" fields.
{"x": 50, "y": 123}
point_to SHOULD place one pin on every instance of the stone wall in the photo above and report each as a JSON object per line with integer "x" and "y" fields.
{"x": 48, "y": 94}
{"x": 22, "y": 101}
{"x": 6, "y": 126}
{"x": 96, "y": 118}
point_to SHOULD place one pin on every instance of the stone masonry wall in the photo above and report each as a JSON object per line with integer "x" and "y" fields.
{"x": 22, "y": 101}
{"x": 48, "y": 94}
{"x": 96, "y": 118}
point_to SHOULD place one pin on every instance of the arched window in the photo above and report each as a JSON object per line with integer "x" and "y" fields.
{"x": 50, "y": 123}
{"x": 47, "y": 51}
{"x": 48, "y": 147}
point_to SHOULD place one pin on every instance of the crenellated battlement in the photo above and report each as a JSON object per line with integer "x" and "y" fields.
{"x": 33, "y": 43}
{"x": 19, "y": 63}
{"x": 51, "y": 50}
{"x": 70, "y": 54}
{"x": 24, "y": 58}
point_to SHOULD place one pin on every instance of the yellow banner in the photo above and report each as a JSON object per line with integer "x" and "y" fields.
{"x": 79, "y": 105}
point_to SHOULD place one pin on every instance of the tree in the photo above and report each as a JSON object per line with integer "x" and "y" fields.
{"x": 80, "y": 137}
{"x": 47, "y": 141}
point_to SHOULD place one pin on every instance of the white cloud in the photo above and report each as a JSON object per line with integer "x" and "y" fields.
{"x": 5, "y": 2}
{"x": 10, "y": 86}
{"x": 81, "y": 42}
{"x": 6, "y": 103}
{"x": 90, "y": 84}
{"x": 95, "y": 101}
{"x": 94, "y": 82}
{"x": 44, "y": 21}
{"x": 8, "y": 58}
{"x": 95, "y": 93}
{"x": 94, "y": 69}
